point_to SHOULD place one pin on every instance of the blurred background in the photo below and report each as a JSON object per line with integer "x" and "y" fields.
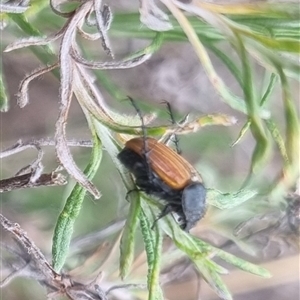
{"x": 173, "y": 74}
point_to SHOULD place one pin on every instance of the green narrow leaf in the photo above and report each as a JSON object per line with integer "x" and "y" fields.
{"x": 243, "y": 131}
{"x": 271, "y": 125}
{"x": 233, "y": 68}
{"x": 262, "y": 149}
{"x": 282, "y": 44}
{"x": 229, "y": 200}
{"x": 242, "y": 264}
{"x": 213, "y": 278}
{"x": 292, "y": 132}
{"x": 149, "y": 242}
{"x": 234, "y": 260}
{"x": 128, "y": 236}
{"x": 199, "y": 252}
{"x": 129, "y": 25}
{"x": 65, "y": 223}
{"x": 269, "y": 89}
{"x": 152, "y": 48}
{"x": 153, "y": 247}
{"x": 264, "y": 98}
{"x": 3, "y": 94}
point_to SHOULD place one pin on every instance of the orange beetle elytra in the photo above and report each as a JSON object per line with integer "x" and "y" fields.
{"x": 172, "y": 168}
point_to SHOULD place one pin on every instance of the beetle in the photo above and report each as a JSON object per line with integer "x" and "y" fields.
{"x": 163, "y": 173}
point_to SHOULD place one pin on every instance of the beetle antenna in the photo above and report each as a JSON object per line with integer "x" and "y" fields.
{"x": 140, "y": 116}
{"x": 174, "y": 136}
{"x": 146, "y": 151}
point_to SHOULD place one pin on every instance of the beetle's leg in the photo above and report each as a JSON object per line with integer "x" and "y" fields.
{"x": 166, "y": 210}
{"x": 129, "y": 192}
{"x": 173, "y": 137}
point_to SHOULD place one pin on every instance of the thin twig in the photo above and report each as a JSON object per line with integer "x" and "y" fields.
{"x": 37, "y": 267}
{"x": 34, "y": 143}
{"x": 12, "y": 8}
{"x": 25, "y": 181}
{"x": 31, "y": 248}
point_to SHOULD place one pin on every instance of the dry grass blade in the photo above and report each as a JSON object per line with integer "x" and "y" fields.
{"x": 12, "y": 8}
{"x": 22, "y": 95}
{"x": 66, "y": 73}
{"x": 102, "y": 28}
